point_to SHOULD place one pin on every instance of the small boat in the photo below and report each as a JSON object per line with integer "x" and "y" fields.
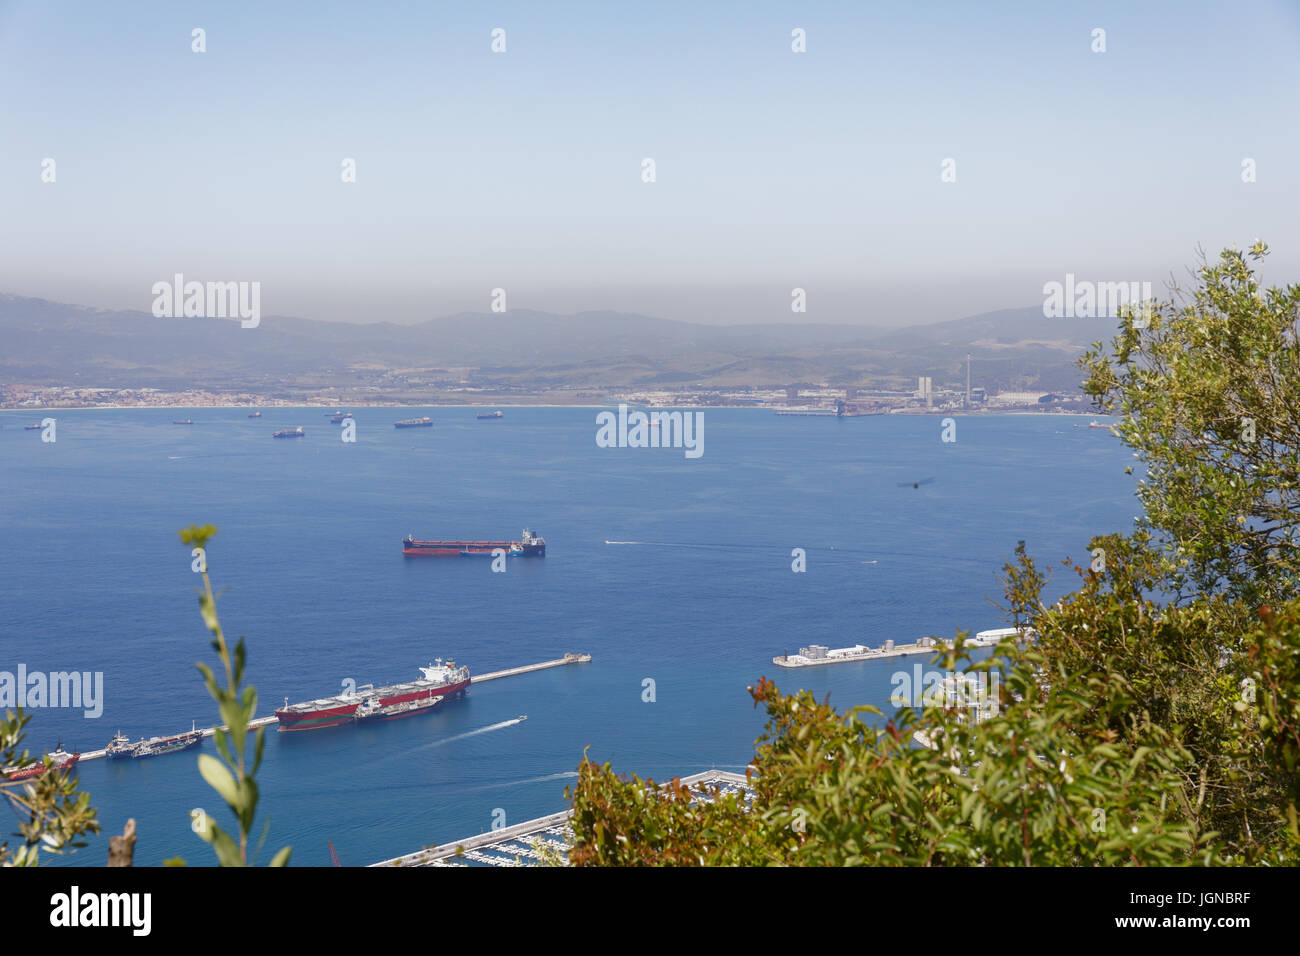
{"x": 254, "y": 414}
{"x": 1095, "y": 424}
{"x": 338, "y": 417}
{"x": 32, "y": 428}
{"x": 290, "y": 433}
{"x": 60, "y": 759}
{"x": 425, "y": 422}
{"x": 158, "y": 746}
{"x": 120, "y": 747}
{"x": 490, "y": 415}
{"x": 188, "y": 421}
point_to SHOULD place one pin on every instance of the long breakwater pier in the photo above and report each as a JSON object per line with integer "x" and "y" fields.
{"x": 491, "y": 675}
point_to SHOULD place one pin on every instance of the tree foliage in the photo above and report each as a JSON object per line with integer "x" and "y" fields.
{"x": 1209, "y": 399}
{"x": 53, "y": 811}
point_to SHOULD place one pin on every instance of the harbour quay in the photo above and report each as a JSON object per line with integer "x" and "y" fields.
{"x": 816, "y": 655}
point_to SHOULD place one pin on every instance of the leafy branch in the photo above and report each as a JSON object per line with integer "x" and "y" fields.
{"x": 230, "y": 776}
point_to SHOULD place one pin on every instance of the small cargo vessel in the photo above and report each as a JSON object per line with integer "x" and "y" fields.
{"x": 439, "y": 679}
{"x": 32, "y": 428}
{"x": 529, "y": 545}
{"x": 490, "y": 415}
{"x": 338, "y": 417}
{"x": 187, "y": 421}
{"x": 371, "y": 711}
{"x": 290, "y": 433}
{"x": 158, "y": 746}
{"x": 425, "y": 422}
{"x": 254, "y": 414}
{"x": 60, "y": 759}
{"x": 120, "y": 747}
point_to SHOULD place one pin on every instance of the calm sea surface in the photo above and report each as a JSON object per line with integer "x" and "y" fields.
{"x": 698, "y": 595}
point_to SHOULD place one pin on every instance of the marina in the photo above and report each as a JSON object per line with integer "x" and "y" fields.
{"x": 543, "y": 841}
{"x": 816, "y": 655}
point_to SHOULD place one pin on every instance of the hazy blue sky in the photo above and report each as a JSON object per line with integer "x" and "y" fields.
{"x": 522, "y": 169}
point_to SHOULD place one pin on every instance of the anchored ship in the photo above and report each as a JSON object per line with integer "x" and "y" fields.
{"x": 60, "y": 760}
{"x": 529, "y": 545}
{"x": 339, "y": 417}
{"x": 254, "y": 414}
{"x": 490, "y": 415}
{"x": 186, "y": 421}
{"x": 290, "y": 433}
{"x": 425, "y": 422}
{"x": 440, "y": 679}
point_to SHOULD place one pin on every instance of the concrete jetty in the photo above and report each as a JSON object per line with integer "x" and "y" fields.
{"x": 491, "y": 675}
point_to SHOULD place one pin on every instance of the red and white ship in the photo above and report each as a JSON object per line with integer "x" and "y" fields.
{"x": 60, "y": 759}
{"x": 439, "y": 680}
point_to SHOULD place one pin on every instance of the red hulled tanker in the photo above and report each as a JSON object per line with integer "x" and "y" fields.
{"x": 439, "y": 680}
{"x": 529, "y": 545}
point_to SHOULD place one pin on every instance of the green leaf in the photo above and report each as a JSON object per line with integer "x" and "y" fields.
{"x": 219, "y": 778}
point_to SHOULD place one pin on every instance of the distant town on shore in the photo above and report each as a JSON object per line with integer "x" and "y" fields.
{"x": 68, "y": 356}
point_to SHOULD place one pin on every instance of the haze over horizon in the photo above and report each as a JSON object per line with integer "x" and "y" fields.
{"x": 522, "y": 169}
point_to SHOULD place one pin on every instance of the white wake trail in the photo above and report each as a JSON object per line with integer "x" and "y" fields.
{"x": 472, "y": 733}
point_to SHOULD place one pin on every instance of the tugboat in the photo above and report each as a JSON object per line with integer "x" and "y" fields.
{"x": 290, "y": 433}
{"x": 120, "y": 748}
{"x": 425, "y": 422}
{"x": 60, "y": 760}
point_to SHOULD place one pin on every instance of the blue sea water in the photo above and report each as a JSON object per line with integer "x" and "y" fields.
{"x": 698, "y": 597}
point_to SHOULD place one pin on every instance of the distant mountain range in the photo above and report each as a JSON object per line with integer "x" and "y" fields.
{"x": 43, "y": 342}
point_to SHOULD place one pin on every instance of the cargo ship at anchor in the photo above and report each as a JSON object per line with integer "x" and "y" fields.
{"x": 425, "y": 422}
{"x": 440, "y": 680}
{"x": 529, "y": 545}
